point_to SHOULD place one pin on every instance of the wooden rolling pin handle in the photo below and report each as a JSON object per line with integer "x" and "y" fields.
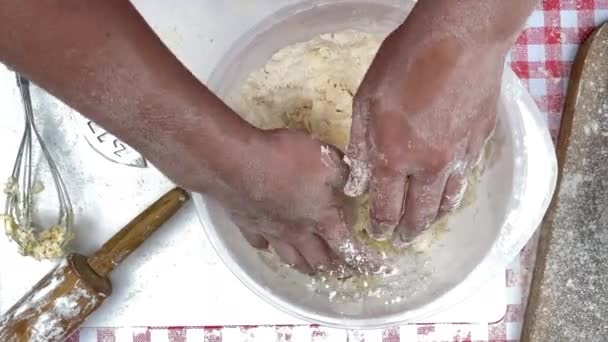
{"x": 121, "y": 245}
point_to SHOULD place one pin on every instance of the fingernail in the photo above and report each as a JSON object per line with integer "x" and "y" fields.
{"x": 380, "y": 231}
{"x": 380, "y": 237}
{"x": 451, "y": 203}
{"x": 403, "y": 240}
{"x": 330, "y": 157}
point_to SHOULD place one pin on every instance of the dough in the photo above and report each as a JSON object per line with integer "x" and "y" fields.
{"x": 41, "y": 244}
{"x": 310, "y": 85}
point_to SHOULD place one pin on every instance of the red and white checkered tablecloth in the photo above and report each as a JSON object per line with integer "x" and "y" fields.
{"x": 542, "y": 58}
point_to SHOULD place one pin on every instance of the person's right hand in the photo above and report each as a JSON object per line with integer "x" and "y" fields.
{"x": 289, "y": 195}
{"x": 421, "y": 119}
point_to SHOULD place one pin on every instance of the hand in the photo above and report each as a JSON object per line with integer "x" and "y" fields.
{"x": 421, "y": 118}
{"x": 289, "y": 196}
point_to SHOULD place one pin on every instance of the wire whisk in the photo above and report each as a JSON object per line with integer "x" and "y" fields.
{"x": 39, "y": 243}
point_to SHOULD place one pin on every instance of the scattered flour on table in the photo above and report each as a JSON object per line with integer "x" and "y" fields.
{"x": 310, "y": 86}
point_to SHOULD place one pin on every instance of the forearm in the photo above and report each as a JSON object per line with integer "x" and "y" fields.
{"x": 102, "y": 59}
{"x": 471, "y": 21}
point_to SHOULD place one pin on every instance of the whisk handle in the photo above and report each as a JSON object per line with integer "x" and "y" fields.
{"x": 128, "y": 239}
{"x": 22, "y": 81}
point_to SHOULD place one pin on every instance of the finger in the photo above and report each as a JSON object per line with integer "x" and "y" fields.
{"x": 454, "y": 191}
{"x": 290, "y": 255}
{"x": 343, "y": 243}
{"x": 421, "y": 207}
{"x": 334, "y": 159}
{"x": 490, "y": 127}
{"x": 475, "y": 149}
{"x": 482, "y": 135}
{"x": 386, "y": 198}
{"x": 247, "y": 227}
{"x": 315, "y": 251}
{"x": 255, "y": 240}
{"x": 357, "y": 151}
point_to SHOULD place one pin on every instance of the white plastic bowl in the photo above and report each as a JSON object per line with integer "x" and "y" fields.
{"x": 512, "y": 195}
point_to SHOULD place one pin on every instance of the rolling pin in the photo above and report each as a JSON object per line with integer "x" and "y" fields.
{"x": 568, "y": 298}
{"x": 64, "y": 298}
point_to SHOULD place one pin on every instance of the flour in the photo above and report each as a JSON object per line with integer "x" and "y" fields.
{"x": 591, "y": 128}
{"x": 572, "y": 182}
{"x": 359, "y": 176}
{"x": 51, "y": 325}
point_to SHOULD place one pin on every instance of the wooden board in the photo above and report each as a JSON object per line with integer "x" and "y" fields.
{"x": 569, "y": 294}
